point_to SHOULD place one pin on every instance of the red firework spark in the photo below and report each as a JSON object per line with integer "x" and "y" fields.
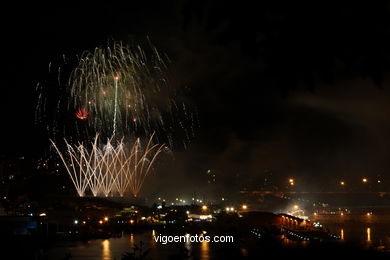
{"x": 82, "y": 113}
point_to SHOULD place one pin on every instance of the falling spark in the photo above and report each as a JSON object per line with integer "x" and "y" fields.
{"x": 113, "y": 169}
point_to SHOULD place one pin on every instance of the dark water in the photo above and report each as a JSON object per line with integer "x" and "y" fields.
{"x": 114, "y": 248}
{"x": 369, "y": 232}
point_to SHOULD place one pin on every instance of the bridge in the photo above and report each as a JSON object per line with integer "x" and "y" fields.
{"x": 281, "y": 193}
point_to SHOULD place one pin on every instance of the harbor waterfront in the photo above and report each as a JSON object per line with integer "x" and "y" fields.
{"x": 252, "y": 233}
{"x": 113, "y": 248}
{"x": 195, "y": 130}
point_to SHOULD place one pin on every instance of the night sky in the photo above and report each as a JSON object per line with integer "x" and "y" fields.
{"x": 296, "y": 90}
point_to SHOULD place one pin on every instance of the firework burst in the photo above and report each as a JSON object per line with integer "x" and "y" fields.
{"x": 118, "y": 92}
{"x": 110, "y": 169}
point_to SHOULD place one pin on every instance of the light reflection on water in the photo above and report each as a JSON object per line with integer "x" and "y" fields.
{"x": 369, "y": 233}
{"x": 106, "y": 254}
{"x": 114, "y": 248}
{"x": 107, "y": 249}
{"x": 204, "y": 250}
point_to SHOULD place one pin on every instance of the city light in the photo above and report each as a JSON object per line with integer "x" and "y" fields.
{"x": 100, "y": 221}
{"x": 291, "y": 181}
{"x": 342, "y": 183}
{"x": 204, "y": 207}
{"x": 244, "y": 207}
{"x": 131, "y": 221}
{"x": 296, "y": 207}
{"x": 364, "y": 180}
{"x": 105, "y": 218}
{"x": 76, "y": 222}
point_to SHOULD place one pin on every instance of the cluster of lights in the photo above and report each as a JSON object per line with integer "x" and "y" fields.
{"x": 296, "y": 236}
{"x": 256, "y": 232}
{"x": 229, "y": 209}
{"x": 317, "y": 225}
{"x": 291, "y": 181}
{"x": 364, "y": 180}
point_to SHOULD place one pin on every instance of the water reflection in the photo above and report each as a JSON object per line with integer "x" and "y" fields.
{"x": 131, "y": 240}
{"x": 368, "y": 234}
{"x": 204, "y": 250}
{"x": 188, "y": 244}
{"x": 153, "y": 243}
{"x": 106, "y": 254}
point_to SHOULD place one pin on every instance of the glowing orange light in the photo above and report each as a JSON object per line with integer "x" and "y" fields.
{"x": 364, "y": 180}
{"x": 204, "y": 207}
{"x": 82, "y": 113}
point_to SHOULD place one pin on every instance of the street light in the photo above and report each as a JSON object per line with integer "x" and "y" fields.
{"x": 204, "y": 207}
{"x": 244, "y": 207}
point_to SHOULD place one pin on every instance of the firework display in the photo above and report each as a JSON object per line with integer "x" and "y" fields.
{"x": 117, "y": 93}
{"x": 109, "y": 170}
